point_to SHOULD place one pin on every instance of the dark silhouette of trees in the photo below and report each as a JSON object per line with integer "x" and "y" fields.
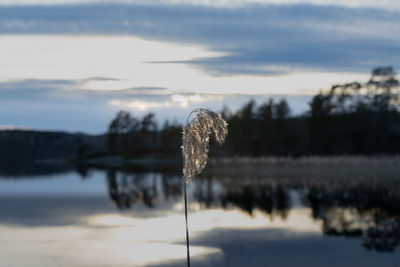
{"x": 350, "y": 118}
{"x": 357, "y": 119}
{"x": 119, "y": 131}
{"x": 129, "y": 136}
{"x": 170, "y": 138}
{"x": 148, "y": 123}
{"x": 383, "y": 77}
{"x": 38, "y": 152}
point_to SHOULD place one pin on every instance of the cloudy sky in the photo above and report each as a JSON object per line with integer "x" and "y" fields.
{"x": 71, "y": 65}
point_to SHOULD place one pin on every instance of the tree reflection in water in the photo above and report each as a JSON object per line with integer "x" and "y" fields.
{"x": 370, "y": 212}
{"x": 269, "y": 199}
{"x": 127, "y": 189}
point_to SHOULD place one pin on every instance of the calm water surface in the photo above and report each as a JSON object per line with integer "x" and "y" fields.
{"x": 135, "y": 218}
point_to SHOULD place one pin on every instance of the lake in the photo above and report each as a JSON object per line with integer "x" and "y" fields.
{"x": 134, "y": 216}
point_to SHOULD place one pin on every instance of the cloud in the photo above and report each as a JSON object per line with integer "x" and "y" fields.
{"x": 253, "y": 40}
{"x": 33, "y": 84}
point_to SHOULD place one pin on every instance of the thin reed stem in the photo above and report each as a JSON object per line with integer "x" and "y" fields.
{"x": 195, "y": 146}
{"x": 187, "y": 228}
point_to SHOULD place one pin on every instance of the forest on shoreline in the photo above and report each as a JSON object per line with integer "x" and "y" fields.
{"x": 349, "y": 119}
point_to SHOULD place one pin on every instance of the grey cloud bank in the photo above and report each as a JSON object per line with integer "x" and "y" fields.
{"x": 329, "y": 38}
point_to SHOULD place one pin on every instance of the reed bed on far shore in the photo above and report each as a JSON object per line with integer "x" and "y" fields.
{"x": 352, "y": 168}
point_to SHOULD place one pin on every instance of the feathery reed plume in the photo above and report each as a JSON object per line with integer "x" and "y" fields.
{"x": 196, "y": 137}
{"x": 195, "y": 146}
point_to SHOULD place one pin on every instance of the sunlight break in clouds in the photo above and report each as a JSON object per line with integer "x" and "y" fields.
{"x": 176, "y": 100}
{"x": 384, "y": 4}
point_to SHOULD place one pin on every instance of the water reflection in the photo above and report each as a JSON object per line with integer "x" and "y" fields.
{"x": 126, "y": 189}
{"x": 273, "y": 200}
{"x": 368, "y": 211}
{"x": 234, "y": 221}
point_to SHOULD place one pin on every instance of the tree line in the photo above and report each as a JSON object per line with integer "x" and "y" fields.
{"x": 351, "y": 118}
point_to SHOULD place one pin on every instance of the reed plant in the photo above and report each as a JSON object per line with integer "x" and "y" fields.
{"x": 195, "y": 146}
